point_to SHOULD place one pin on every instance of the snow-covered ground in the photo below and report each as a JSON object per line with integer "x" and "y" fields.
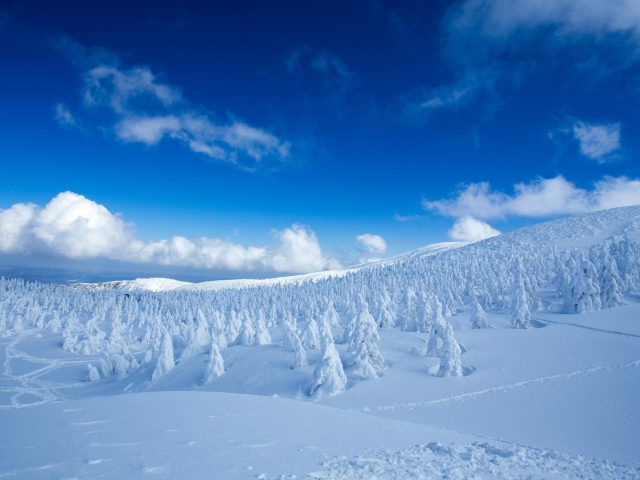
{"x": 556, "y": 400}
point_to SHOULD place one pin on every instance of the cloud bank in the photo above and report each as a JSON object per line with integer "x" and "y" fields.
{"x": 544, "y": 197}
{"x": 75, "y": 227}
{"x": 136, "y": 106}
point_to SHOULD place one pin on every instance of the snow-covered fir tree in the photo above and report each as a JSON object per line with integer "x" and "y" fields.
{"x": 165, "y": 361}
{"x": 215, "y": 363}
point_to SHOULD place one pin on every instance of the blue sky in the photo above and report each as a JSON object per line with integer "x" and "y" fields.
{"x": 253, "y": 138}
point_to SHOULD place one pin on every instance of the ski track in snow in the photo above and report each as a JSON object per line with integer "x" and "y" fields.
{"x": 500, "y": 388}
{"x": 30, "y": 383}
{"x": 594, "y": 329}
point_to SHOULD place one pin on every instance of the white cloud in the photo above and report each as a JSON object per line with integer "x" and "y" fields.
{"x": 372, "y": 243}
{"x": 73, "y": 226}
{"x": 145, "y": 110}
{"x": 469, "y": 229}
{"x": 479, "y": 34}
{"x": 64, "y": 117}
{"x": 597, "y": 142}
{"x": 540, "y": 198}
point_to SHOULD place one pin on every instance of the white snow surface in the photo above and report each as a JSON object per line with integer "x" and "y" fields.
{"x": 556, "y": 401}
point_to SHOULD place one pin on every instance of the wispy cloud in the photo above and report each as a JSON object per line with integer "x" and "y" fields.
{"x": 73, "y": 226}
{"x": 64, "y": 117}
{"x": 372, "y": 243}
{"x": 144, "y": 109}
{"x": 480, "y": 34}
{"x": 333, "y": 71}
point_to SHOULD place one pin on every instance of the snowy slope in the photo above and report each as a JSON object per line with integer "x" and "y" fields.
{"x": 582, "y": 230}
{"x": 556, "y": 400}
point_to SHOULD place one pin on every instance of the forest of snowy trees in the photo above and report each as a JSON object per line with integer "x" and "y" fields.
{"x": 128, "y": 331}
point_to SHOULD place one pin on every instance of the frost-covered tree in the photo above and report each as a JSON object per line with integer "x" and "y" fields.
{"x": 436, "y": 335}
{"x": 328, "y": 376}
{"x": 367, "y": 359}
{"x": 478, "y": 315}
{"x": 520, "y": 313}
{"x": 300, "y": 354}
{"x": 215, "y": 363}
{"x": 450, "y": 356}
{"x": 198, "y": 336}
{"x": 310, "y": 336}
{"x": 611, "y": 285}
{"x": 583, "y": 294}
{"x": 247, "y": 335}
{"x": 165, "y": 361}
{"x": 262, "y": 334}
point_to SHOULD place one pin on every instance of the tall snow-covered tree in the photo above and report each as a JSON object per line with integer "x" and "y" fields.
{"x": 478, "y": 315}
{"x": 611, "y": 285}
{"x": 165, "y": 361}
{"x": 310, "y": 336}
{"x": 450, "y": 356}
{"x": 583, "y": 294}
{"x": 367, "y": 359}
{"x": 328, "y": 376}
{"x": 215, "y": 363}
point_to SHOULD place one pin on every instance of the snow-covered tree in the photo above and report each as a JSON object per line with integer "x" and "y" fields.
{"x": 520, "y": 310}
{"x": 611, "y": 285}
{"x": 367, "y": 359}
{"x": 583, "y": 294}
{"x": 328, "y": 376}
{"x": 215, "y": 363}
{"x": 310, "y": 336}
{"x": 262, "y": 334}
{"x": 450, "y": 356}
{"x": 247, "y": 334}
{"x": 165, "y": 361}
{"x": 478, "y": 315}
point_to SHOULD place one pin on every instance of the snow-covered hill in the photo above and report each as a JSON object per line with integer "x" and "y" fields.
{"x": 529, "y": 342}
{"x": 166, "y": 284}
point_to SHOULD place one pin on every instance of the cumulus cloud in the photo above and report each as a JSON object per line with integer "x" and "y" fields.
{"x": 479, "y": 34}
{"x": 469, "y": 229}
{"x": 144, "y": 109}
{"x": 597, "y": 142}
{"x": 539, "y": 198}
{"x": 73, "y": 226}
{"x": 372, "y": 243}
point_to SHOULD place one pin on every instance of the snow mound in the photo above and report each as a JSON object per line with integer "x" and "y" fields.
{"x": 476, "y": 460}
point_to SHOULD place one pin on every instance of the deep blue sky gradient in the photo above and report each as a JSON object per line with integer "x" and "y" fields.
{"x": 357, "y": 156}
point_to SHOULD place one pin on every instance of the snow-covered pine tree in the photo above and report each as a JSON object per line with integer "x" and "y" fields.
{"x": 583, "y": 294}
{"x": 450, "y": 356}
{"x": 247, "y": 335}
{"x": 215, "y": 363}
{"x": 262, "y": 333}
{"x": 165, "y": 361}
{"x": 478, "y": 315}
{"x": 328, "y": 376}
{"x": 310, "y": 336}
{"x": 611, "y": 284}
{"x": 367, "y": 359}
{"x": 436, "y": 335}
{"x": 520, "y": 313}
